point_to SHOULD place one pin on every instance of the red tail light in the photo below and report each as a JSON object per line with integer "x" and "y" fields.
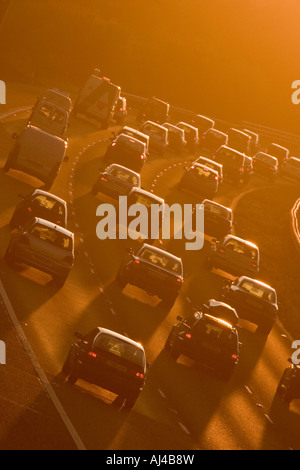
{"x": 29, "y": 209}
{"x": 58, "y": 222}
{"x": 103, "y": 179}
{"x": 121, "y": 109}
{"x": 221, "y": 250}
{"x": 92, "y": 354}
{"x": 142, "y": 157}
{"x": 240, "y": 170}
{"x": 141, "y": 376}
{"x": 179, "y": 279}
{"x": 213, "y": 157}
{"x": 137, "y": 261}
{"x": 188, "y": 336}
{"x": 113, "y": 144}
{"x": 234, "y": 356}
{"x": 254, "y": 265}
{"x": 203, "y": 137}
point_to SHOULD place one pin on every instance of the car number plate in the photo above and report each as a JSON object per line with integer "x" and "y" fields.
{"x": 117, "y": 366}
{"x": 211, "y": 347}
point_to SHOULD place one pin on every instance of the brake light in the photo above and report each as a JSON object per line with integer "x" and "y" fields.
{"x": 137, "y": 261}
{"x": 29, "y": 209}
{"x": 103, "y": 179}
{"x": 240, "y": 169}
{"x": 142, "y": 157}
{"x": 121, "y": 109}
{"x": 216, "y": 178}
{"x": 113, "y": 144}
{"x": 254, "y": 265}
{"x": 92, "y": 354}
{"x": 203, "y": 137}
{"x": 179, "y": 279}
{"x": 188, "y": 335}
{"x": 213, "y": 157}
{"x": 221, "y": 250}
{"x": 234, "y": 356}
{"x": 141, "y": 376}
{"x": 58, "y": 222}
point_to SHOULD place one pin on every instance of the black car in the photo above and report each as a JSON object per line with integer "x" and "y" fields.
{"x": 233, "y": 163}
{"x": 217, "y": 219}
{"x": 289, "y": 386}
{"x": 212, "y": 139}
{"x": 220, "y": 310}
{"x": 254, "y": 142}
{"x": 154, "y": 110}
{"x": 109, "y": 360}
{"x": 254, "y": 300}
{"x": 208, "y": 340}
{"x": 126, "y": 151}
{"x": 265, "y": 165}
{"x": 176, "y": 138}
{"x": 239, "y": 140}
{"x": 120, "y": 110}
{"x": 154, "y": 270}
{"x": 248, "y": 169}
{"x": 279, "y": 152}
{"x": 42, "y": 205}
{"x": 200, "y": 180}
{"x": 191, "y": 136}
{"x": 115, "y": 181}
{"x": 202, "y": 123}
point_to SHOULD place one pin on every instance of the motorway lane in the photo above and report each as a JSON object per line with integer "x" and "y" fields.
{"x": 51, "y": 316}
{"x": 215, "y": 422}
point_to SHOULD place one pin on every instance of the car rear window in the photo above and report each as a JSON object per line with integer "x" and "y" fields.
{"x": 155, "y": 130}
{"x": 216, "y": 135}
{"x": 261, "y": 292}
{"x": 213, "y": 332}
{"x": 131, "y": 144}
{"x": 52, "y": 236}
{"x": 209, "y": 164}
{"x": 124, "y": 175}
{"x": 136, "y": 136}
{"x": 49, "y": 204}
{"x": 229, "y": 156}
{"x": 242, "y": 248}
{"x": 119, "y": 348}
{"x": 218, "y": 210}
{"x": 161, "y": 260}
{"x": 139, "y": 198}
{"x": 238, "y": 137}
{"x": 203, "y": 172}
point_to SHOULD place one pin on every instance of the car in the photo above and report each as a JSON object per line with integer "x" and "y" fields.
{"x": 57, "y": 97}
{"x": 45, "y": 246}
{"x": 158, "y": 136}
{"x": 154, "y": 270}
{"x": 234, "y": 254}
{"x": 120, "y": 113}
{"x": 211, "y": 164}
{"x": 253, "y": 300}
{"x": 233, "y": 162}
{"x": 115, "y": 181}
{"x": 289, "y": 386}
{"x": 191, "y": 135}
{"x": 202, "y": 123}
{"x": 135, "y": 134}
{"x": 291, "y": 168}
{"x": 281, "y": 153}
{"x": 208, "y": 340}
{"x": 212, "y": 139}
{"x": 146, "y": 199}
{"x": 176, "y": 138}
{"x": 265, "y": 165}
{"x": 109, "y": 360}
{"x": 37, "y": 153}
{"x": 248, "y": 169}
{"x": 126, "y": 151}
{"x": 49, "y": 117}
{"x": 200, "y": 180}
{"x": 218, "y": 219}
{"x": 254, "y": 142}
{"x": 40, "y": 204}
{"x": 239, "y": 140}
{"x": 221, "y": 310}
{"x": 154, "y": 110}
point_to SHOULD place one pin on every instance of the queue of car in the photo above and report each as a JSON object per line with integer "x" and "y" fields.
{"x": 41, "y": 239}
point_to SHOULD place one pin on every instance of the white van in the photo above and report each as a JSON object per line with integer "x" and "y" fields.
{"x": 97, "y": 99}
{"x": 37, "y": 153}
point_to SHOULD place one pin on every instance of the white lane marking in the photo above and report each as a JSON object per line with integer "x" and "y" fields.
{"x": 184, "y": 428}
{"x": 268, "y": 418}
{"x": 161, "y": 393}
{"x": 248, "y": 390}
{"x": 41, "y": 374}
{"x": 113, "y": 311}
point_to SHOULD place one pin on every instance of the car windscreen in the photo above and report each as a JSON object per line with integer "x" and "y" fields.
{"x": 259, "y": 291}
{"x": 161, "y": 260}
{"x": 218, "y": 210}
{"x": 241, "y": 248}
{"x": 52, "y": 236}
{"x": 124, "y": 175}
{"x": 119, "y": 348}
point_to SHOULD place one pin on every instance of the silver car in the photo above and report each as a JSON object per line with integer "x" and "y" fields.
{"x": 44, "y": 246}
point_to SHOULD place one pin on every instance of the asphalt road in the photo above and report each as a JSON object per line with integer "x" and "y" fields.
{"x": 182, "y": 406}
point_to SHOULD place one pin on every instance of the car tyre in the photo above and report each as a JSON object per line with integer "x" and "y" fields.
{"x": 170, "y": 346}
{"x": 9, "y": 257}
{"x": 265, "y": 328}
{"x": 130, "y": 401}
{"x": 121, "y": 280}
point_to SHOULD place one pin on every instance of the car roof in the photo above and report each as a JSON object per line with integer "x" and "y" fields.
{"x": 135, "y": 131}
{"x": 159, "y": 101}
{"x": 122, "y": 337}
{"x": 251, "y": 133}
{"x": 256, "y": 281}
{"x": 187, "y": 125}
{"x": 217, "y": 303}
{"x": 294, "y": 158}
{"x": 218, "y": 320}
{"x": 128, "y": 170}
{"x": 161, "y": 252}
{"x": 208, "y": 201}
{"x": 241, "y": 240}
{"x": 129, "y": 138}
{"x": 277, "y": 146}
{"x": 155, "y": 124}
{"x": 147, "y": 193}
{"x": 58, "y": 228}
{"x": 231, "y": 150}
{"x": 167, "y": 125}
{"x": 211, "y": 162}
{"x": 204, "y": 117}
{"x": 270, "y": 157}
{"x": 36, "y": 131}
{"x": 50, "y": 195}
{"x": 238, "y": 131}
{"x": 212, "y": 130}
{"x": 205, "y": 167}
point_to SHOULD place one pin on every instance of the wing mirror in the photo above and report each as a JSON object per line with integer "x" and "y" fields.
{"x": 179, "y": 318}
